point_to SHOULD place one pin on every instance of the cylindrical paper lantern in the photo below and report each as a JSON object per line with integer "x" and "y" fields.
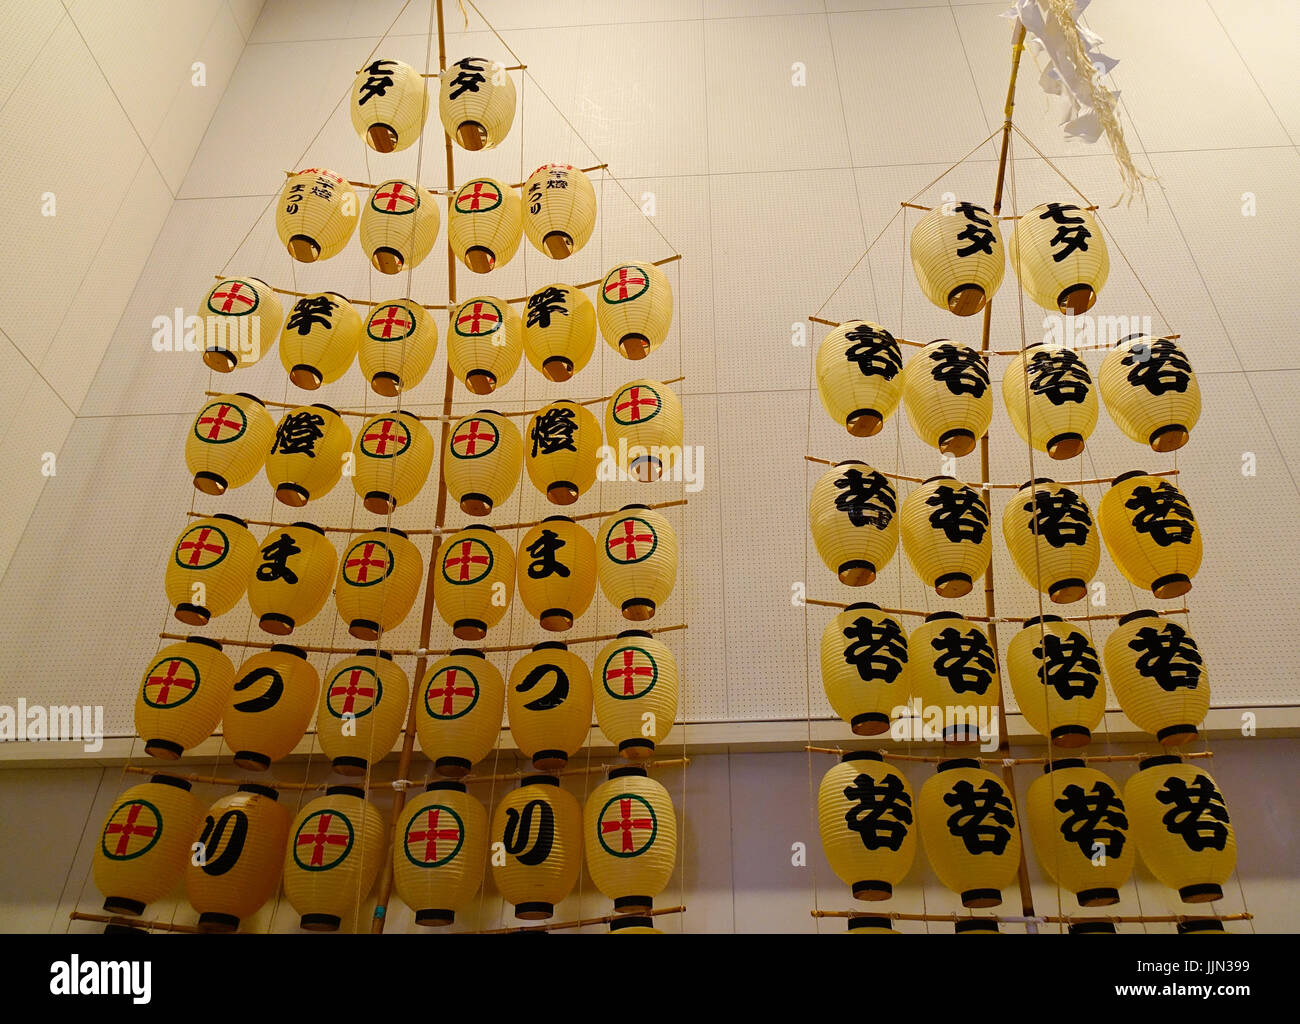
{"x": 316, "y": 214}
{"x": 1061, "y": 410}
{"x": 635, "y": 684}
{"x": 1151, "y": 391}
{"x": 1058, "y": 252}
{"x": 379, "y": 577}
{"x": 294, "y": 574}
{"x": 228, "y": 442}
{"x": 473, "y": 562}
{"x": 1055, "y": 674}
{"x": 320, "y": 339}
{"x": 540, "y": 828}
{"x": 484, "y": 224}
{"x": 306, "y": 459}
{"x": 483, "y": 461}
{"x": 1158, "y": 676}
{"x": 947, "y": 396}
{"x": 484, "y": 343}
{"x": 953, "y": 669}
{"x": 239, "y": 319}
{"x": 864, "y": 667}
{"x": 563, "y": 451}
{"x": 630, "y": 838}
{"x": 336, "y": 848}
{"x": 548, "y": 704}
{"x": 398, "y": 346}
{"x": 957, "y": 257}
{"x": 399, "y": 225}
{"x": 393, "y": 453}
{"x": 559, "y": 330}
{"x": 859, "y": 376}
{"x": 145, "y": 844}
{"x": 1151, "y": 533}
{"x": 243, "y": 835}
{"x": 635, "y": 309}
{"x": 440, "y": 852}
{"x": 458, "y": 718}
{"x": 643, "y": 422}
{"x": 853, "y": 517}
{"x": 559, "y": 210}
{"x": 476, "y": 102}
{"x": 362, "y": 710}
{"x": 969, "y": 831}
{"x": 270, "y": 706}
{"x": 556, "y": 567}
{"x": 209, "y": 569}
{"x": 1050, "y": 534}
{"x": 182, "y": 696}
{"x": 865, "y": 814}
{"x": 945, "y": 529}
{"x": 389, "y": 105}
{"x": 636, "y": 560}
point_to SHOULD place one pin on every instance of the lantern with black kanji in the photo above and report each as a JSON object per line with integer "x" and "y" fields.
{"x": 562, "y": 451}
{"x": 320, "y": 339}
{"x": 316, "y": 214}
{"x": 1050, "y": 399}
{"x": 1059, "y": 255}
{"x": 482, "y": 461}
{"x": 398, "y": 346}
{"x": 292, "y": 581}
{"x": 393, "y": 453}
{"x": 859, "y": 376}
{"x": 270, "y": 706}
{"x": 389, "y": 104}
{"x": 242, "y": 837}
{"x": 556, "y": 567}
{"x": 209, "y": 568}
{"x": 853, "y": 517}
{"x": 548, "y": 704}
{"x": 1151, "y": 391}
{"x": 947, "y": 396}
{"x": 1055, "y": 674}
{"x": 228, "y": 442}
{"x": 476, "y": 102}
{"x": 864, "y": 667}
{"x": 239, "y": 319}
{"x": 635, "y": 309}
{"x": 945, "y": 530}
{"x": 439, "y": 853}
{"x": 634, "y": 686}
{"x": 866, "y": 817}
{"x": 335, "y": 852}
{"x": 475, "y": 581}
{"x": 636, "y": 560}
{"x": 362, "y": 710}
{"x": 539, "y": 827}
{"x": 306, "y": 459}
{"x": 399, "y": 225}
{"x": 559, "y": 330}
{"x": 1158, "y": 675}
{"x": 1151, "y": 534}
{"x": 145, "y": 844}
{"x": 953, "y": 676}
{"x": 485, "y": 342}
{"x": 1181, "y": 824}
{"x": 957, "y": 257}
{"x": 643, "y": 423}
{"x": 458, "y": 715}
{"x": 1080, "y": 831}
{"x": 969, "y": 831}
{"x": 484, "y": 224}
{"x": 559, "y": 210}
{"x": 1052, "y": 539}
{"x": 379, "y": 577}
{"x": 182, "y": 694}
{"x": 630, "y": 830}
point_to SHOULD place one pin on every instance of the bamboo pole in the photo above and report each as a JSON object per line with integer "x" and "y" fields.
{"x": 1029, "y": 919}
{"x": 132, "y": 922}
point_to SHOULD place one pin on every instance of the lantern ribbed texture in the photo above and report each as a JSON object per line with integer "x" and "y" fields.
{"x": 947, "y": 395}
{"x": 362, "y": 710}
{"x": 399, "y": 225}
{"x": 393, "y": 454}
{"x": 945, "y": 530}
{"x": 483, "y": 461}
{"x": 182, "y": 695}
{"x": 957, "y": 257}
{"x": 556, "y": 569}
{"x": 270, "y": 706}
{"x": 548, "y": 704}
{"x": 473, "y": 561}
{"x": 389, "y": 105}
{"x": 1059, "y": 255}
{"x": 440, "y": 852}
{"x": 969, "y": 830}
{"x": 952, "y": 668}
{"x": 283, "y": 604}
{"x": 397, "y": 346}
{"x": 636, "y": 560}
{"x": 476, "y": 102}
{"x": 635, "y": 308}
{"x": 228, "y": 442}
{"x": 633, "y": 676}
{"x": 559, "y": 210}
{"x": 562, "y": 473}
{"x": 484, "y": 224}
{"x": 859, "y": 376}
{"x": 320, "y": 339}
{"x": 306, "y": 459}
{"x": 630, "y": 839}
{"x": 559, "y": 330}
{"x": 239, "y": 320}
{"x": 1052, "y": 539}
{"x": 864, "y": 667}
{"x": 853, "y": 517}
{"x": 643, "y": 423}
{"x": 378, "y": 579}
{"x": 1055, "y": 674}
{"x": 1062, "y": 410}
{"x": 209, "y": 568}
{"x": 458, "y": 717}
{"x": 1151, "y": 534}
{"x": 335, "y": 852}
{"x": 866, "y": 817}
{"x": 1158, "y": 675}
{"x": 485, "y": 343}
{"x": 316, "y": 214}
{"x": 540, "y": 828}
{"x": 1150, "y": 391}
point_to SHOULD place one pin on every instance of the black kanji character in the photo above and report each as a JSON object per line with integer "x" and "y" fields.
{"x": 878, "y": 650}
{"x": 1159, "y": 366}
{"x": 314, "y": 309}
{"x": 1071, "y": 232}
{"x": 542, "y": 551}
{"x": 1059, "y": 517}
{"x": 469, "y": 78}
{"x": 959, "y": 513}
{"x": 1197, "y": 813}
{"x": 298, "y": 433}
{"x": 1163, "y": 513}
{"x": 961, "y": 369}
{"x": 1167, "y": 655}
{"x": 1060, "y": 375}
{"x": 965, "y": 659}
{"x": 876, "y": 352}
{"x": 881, "y": 811}
{"x": 380, "y": 78}
{"x": 1069, "y": 665}
{"x": 983, "y": 819}
{"x": 868, "y": 499}
{"x": 1093, "y": 818}
{"x": 553, "y": 431}
{"x": 543, "y": 304}
{"x": 978, "y": 232}
{"x": 275, "y": 560}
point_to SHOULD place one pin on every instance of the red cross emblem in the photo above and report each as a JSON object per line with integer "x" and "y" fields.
{"x": 474, "y": 438}
{"x": 462, "y": 561}
{"x": 398, "y": 192}
{"x": 325, "y": 838}
{"x": 201, "y": 547}
{"x": 219, "y": 423}
{"x": 477, "y": 318}
{"x": 232, "y": 298}
{"x": 478, "y": 197}
{"x": 630, "y": 540}
{"x": 628, "y": 822}
{"x": 131, "y": 830}
{"x": 367, "y": 563}
{"x": 451, "y": 693}
{"x": 387, "y": 319}
{"x": 428, "y": 828}
{"x": 636, "y": 404}
{"x": 171, "y": 683}
{"x": 349, "y": 684}
{"x": 622, "y": 284}
{"x": 385, "y": 438}
{"x": 630, "y": 672}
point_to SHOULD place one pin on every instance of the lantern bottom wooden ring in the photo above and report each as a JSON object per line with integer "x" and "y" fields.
{"x": 961, "y": 733}
{"x": 1065, "y": 446}
{"x": 1092, "y": 928}
{"x": 1168, "y": 438}
{"x": 1076, "y": 300}
{"x": 193, "y": 614}
{"x": 634, "y": 346}
{"x": 452, "y": 767}
{"x": 386, "y": 260}
{"x": 220, "y": 359}
{"x": 864, "y": 422}
{"x": 210, "y": 483}
{"x": 469, "y": 629}
{"x": 306, "y": 377}
{"x": 292, "y": 495}
{"x": 434, "y": 918}
{"x": 319, "y": 923}
{"x": 1068, "y": 591}
{"x": 1071, "y": 736}
{"x": 252, "y": 761}
{"x": 379, "y": 502}
{"x": 1176, "y": 584}
{"x": 634, "y": 905}
{"x": 1100, "y": 897}
{"x": 979, "y": 899}
{"x": 387, "y": 384}
{"x": 856, "y": 923}
{"x": 631, "y": 921}
{"x": 549, "y": 760}
{"x": 556, "y": 619}
{"x": 638, "y": 609}
{"x": 856, "y": 573}
{"x": 123, "y": 905}
{"x": 1175, "y": 735}
{"x": 1206, "y": 892}
{"x": 164, "y": 750}
{"x": 558, "y": 245}
{"x": 646, "y": 469}
{"x": 474, "y": 504}
{"x": 364, "y": 629}
{"x": 562, "y": 492}
{"x": 637, "y": 749}
{"x": 223, "y": 924}
{"x": 959, "y": 441}
{"x": 303, "y": 249}
{"x": 872, "y": 891}
{"x": 382, "y": 138}
{"x": 534, "y": 911}
{"x": 480, "y": 259}
{"x": 481, "y": 382}
{"x": 953, "y": 584}
{"x": 350, "y": 765}
{"x": 975, "y": 927}
{"x": 274, "y": 622}
{"x": 471, "y": 135}
{"x": 966, "y": 299}
{"x": 871, "y": 723}
{"x": 1200, "y": 925}
{"x": 557, "y": 368}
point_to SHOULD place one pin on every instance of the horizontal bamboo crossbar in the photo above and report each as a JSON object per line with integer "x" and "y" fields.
{"x": 1001, "y": 216}
{"x": 131, "y": 922}
{"x": 447, "y": 192}
{"x": 1039, "y": 918}
{"x": 1000, "y": 761}
{"x": 985, "y": 353}
{"x": 920, "y": 613}
{"x": 982, "y": 486}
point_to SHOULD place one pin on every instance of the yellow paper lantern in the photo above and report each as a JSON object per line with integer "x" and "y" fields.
{"x": 556, "y": 567}
{"x": 559, "y": 210}
{"x": 945, "y": 530}
{"x": 393, "y": 454}
{"x": 865, "y": 814}
{"x": 485, "y": 343}
{"x": 1050, "y": 399}
{"x": 559, "y": 330}
{"x": 864, "y": 667}
{"x": 458, "y": 719}
{"x": 484, "y": 224}
{"x": 633, "y": 924}
{"x": 643, "y": 422}
{"x": 635, "y": 684}
{"x": 1056, "y": 676}
{"x": 947, "y": 396}
{"x": 476, "y": 102}
{"x": 270, "y": 706}
{"x": 209, "y": 568}
{"x": 635, "y": 308}
{"x": 293, "y": 577}
{"x": 859, "y": 376}
{"x": 399, "y": 225}
{"x": 548, "y": 704}
{"x": 957, "y": 257}
{"x": 563, "y": 454}
{"x": 1052, "y": 540}
{"x": 336, "y": 848}
{"x": 969, "y": 831}
{"x": 239, "y": 319}
{"x": 865, "y": 925}
{"x": 1151, "y": 534}
{"x": 953, "y": 674}
{"x": 362, "y": 710}
{"x": 398, "y": 346}
{"x": 636, "y": 561}
{"x": 182, "y": 694}
{"x": 389, "y": 105}
{"x": 145, "y": 844}
{"x": 440, "y": 852}
{"x": 1059, "y": 255}
{"x": 316, "y": 214}
{"x": 853, "y": 517}
{"x": 1150, "y": 391}
{"x": 306, "y": 459}
{"x": 319, "y": 339}
{"x": 630, "y": 830}
{"x": 483, "y": 461}
{"x": 378, "y": 580}
{"x": 475, "y": 581}
{"x": 228, "y": 442}
{"x": 539, "y": 826}
{"x": 1158, "y": 675}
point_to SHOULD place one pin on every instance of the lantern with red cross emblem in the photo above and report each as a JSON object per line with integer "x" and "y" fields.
{"x": 320, "y": 339}
{"x": 484, "y": 343}
{"x": 377, "y": 583}
{"x": 440, "y": 852}
{"x": 393, "y": 453}
{"x": 362, "y": 710}
{"x": 399, "y": 225}
{"x": 634, "y": 686}
{"x": 559, "y": 330}
{"x": 483, "y": 461}
{"x": 970, "y": 830}
{"x": 228, "y": 442}
{"x": 1055, "y": 675}
{"x": 306, "y": 459}
{"x": 389, "y": 104}
{"x": 1150, "y": 391}
{"x": 947, "y": 396}
{"x": 145, "y": 844}
{"x": 458, "y": 715}
{"x": 635, "y": 308}
{"x": 1151, "y": 534}
{"x": 209, "y": 568}
{"x": 476, "y": 102}
{"x": 864, "y": 667}
{"x": 270, "y": 706}
{"x": 853, "y": 515}
{"x": 1050, "y": 399}
{"x": 945, "y": 530}
{"x": 335, "y": 851}
{"x": 636, "y": 560}
{"x": 475, "y": 581}
{"x": 1059, "y": 255}
{"x": 556, "y": 567}
{"x": 559, "y": 210}
{"x": 243, "y": 838}
{"x": 866, "y": 817}
{"x": 1159, "y": 676}
{"x": 484, "y": 224}
{"x": 643, "y": 421}
{"x": 630, "y": 838}
{"x": 1052, "y": 539}
{"x": 397, "y": 346}
{"x": 562, "y": 451}
{"x": 957, "y": 257}
{"x": 952, "y": 665}
{"x": 539, "y": 827}
{"x": 182, "y": 695}
{"x": 548, "y": 704}
{"x": 239, "y": 320}
{"x": 860, "y": 376}
{"x": 316, "y": 214}
{"x": 292, "y": 581}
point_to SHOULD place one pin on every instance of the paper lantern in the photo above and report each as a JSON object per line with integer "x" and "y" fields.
{"x": 476, "y": 102}
{"x": 957, "y": 257}
{"x": 336, "y": 848}
{"x": 556, "y": 567}
{"x": 859, "y": 376}
{"x": 865, "y": 925}
{"x": 643, "y": 422}
{"x": 306, "y": 459}
{"x": 559, "y": 330}
{"x": 635, "y": 309}
{"x": 399, "y": 225}
{"x": 1059, "y": 255}
{"x": 243, "y": 837}
{"x": 1079, "y": 829}
{"x": 852, "y": 515}
{"x": 475, "y": 581}
{"x": 482, "y": 461}
{"x": 319, "y": 339}
{"x": 398, "y": 346}
{"x": 484, "y": 343}
{"x": 947, "y": 396}
{"x": 1056, "y": 676}
{"x": 393, "y": 454}
{"x": 1052, "y": 540}
{"x": 270, "y": 706}
{"x": 484, "y": 224}
{"x": 539, "y": 826}
{"x": 1050, "y": 399}
{"x": 953, "y": 675}
{"x": 1158, "y": 675}
{"x": 1181, "y": 824}
{"x": 559, "y": 210}
{"x": 945, "y": 530}
{"x": 1150, "y": 533}
{"x": 182, "y": 694}
{"x": 293, "y": 577}
{"x": 316, "y": 214}
{"x": 239, "y": 319}
{"x": 458, "y": 718}
{"x": 864, "y": 667}
{"x": 969, "y": 831}
{"x": 636, "y": 561}
{"x": 228, "y": 442}
{"x": 635, "y": 684}
{"x": 363, "y": 707}
{"x": 548, "y": 704}
{"x": 563, "y": 451}
{"x": 633, "y": 924}
{"x": 1151, "y": 391}
{"x": 630, "y": 839}
{"x": 209, "y": 569}
{"x": 865, "y": 814}
{"x": 145, "y": 844}
{"x": 379, "y": 577}
{"x": 389, "y": 105}
{"x": 440, "y": 852}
